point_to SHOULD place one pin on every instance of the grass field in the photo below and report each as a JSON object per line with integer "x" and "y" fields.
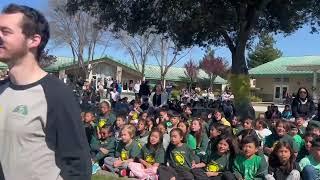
{"x": 104, "y": 175}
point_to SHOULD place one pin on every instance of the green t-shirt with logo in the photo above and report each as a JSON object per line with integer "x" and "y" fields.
{"x": 128, "y": 151}
{"x": 151, "y": 155}
{"x": 273, "y": 139}
{"x": 142, "y": 139}
{"x": 204, "y": 143}
{"x": 202, "y": 146}
{"x": 108, "y": 120}
{"x": 109, "y": 144}
{"x": 180, "y": 157}
{"x": 217, "y": 163}
{"x": 254, "y": 168}
{"x": 236, "y": 130}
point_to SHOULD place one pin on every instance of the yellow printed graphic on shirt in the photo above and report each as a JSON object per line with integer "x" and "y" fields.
{"x": 150, "y": 159}
{"x": 102, "y": 122}
{"x": 124, "y": 155}
{"x": 213, "y": 167}
{"x": 179, "y": 158}
{"x": 135, "y": 115}
{"x": 234, "y": 131}
{"x": 139, "y": 145}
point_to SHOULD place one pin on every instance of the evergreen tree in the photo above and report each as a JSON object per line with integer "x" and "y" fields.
{"x": 263, "y": 52}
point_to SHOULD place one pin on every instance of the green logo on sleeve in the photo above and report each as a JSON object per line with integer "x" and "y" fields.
{"x": 21, "y": 109}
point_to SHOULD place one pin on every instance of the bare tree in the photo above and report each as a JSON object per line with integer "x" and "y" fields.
{"x": 167, "y": 54}
{"x": 46, "y": 59}
{"x": 138, "y": 47}
{"x": 191, "y": 71}
{"x": 80, "y": 31}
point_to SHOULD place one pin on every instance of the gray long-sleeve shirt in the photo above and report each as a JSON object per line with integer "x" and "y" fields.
{"x": 41, "y": 135}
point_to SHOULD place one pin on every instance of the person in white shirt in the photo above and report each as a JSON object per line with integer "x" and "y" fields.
{"x": 227, "y": 95}
{"x": 262, "y": 130}
{"x": 136, "y": 88}
{"x": 115, "y": 96}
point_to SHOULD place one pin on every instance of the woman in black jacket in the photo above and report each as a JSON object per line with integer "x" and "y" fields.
{"x": 302, "y": 105}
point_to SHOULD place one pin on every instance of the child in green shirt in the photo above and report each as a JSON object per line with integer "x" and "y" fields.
{"x": 305, "y": 150}
{"x": 107, "y": 118}
{"x": 89, "y": 125}
{"x": 180, "y": 158}
{"x": 299, "y": 122}
{"x": 103, "y": 147}
{"x": 190, "y": 140}
{"x": 200, "y": 136}
{"x": 166, "y": 137}
{"x": 142, "y": 133}
{"x": 127, "y": 151}
{"x": 281, "y": 135}
{"x": 310, "y": 164}
{"x": 120, "y": 123}
{"x": 294, "y": 133}
{"x": 248, "y": 165}
{"x": 152, "y": 156}
{"x": 236, "y": 126}
{"x": 218, "y": 160}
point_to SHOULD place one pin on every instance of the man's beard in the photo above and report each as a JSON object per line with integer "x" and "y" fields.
{"x": 12, "y": 57}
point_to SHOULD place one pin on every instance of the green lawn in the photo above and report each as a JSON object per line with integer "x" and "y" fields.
{"x": 104, "y": 175}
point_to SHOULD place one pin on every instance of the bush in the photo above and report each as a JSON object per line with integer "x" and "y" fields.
{"x": 255, "y": 99}
{"x": 175, "y": 94}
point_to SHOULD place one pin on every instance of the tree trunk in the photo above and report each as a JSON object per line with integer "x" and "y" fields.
{"x": 240, "y": 83}
{"x": 142, "y": 70}
{"x": 162, "y": 80}
{"x": 210, "y": 81}
{"x": 239, "y": 65}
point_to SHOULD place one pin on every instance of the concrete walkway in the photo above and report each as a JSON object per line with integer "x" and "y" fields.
{"x": 264, "y": 107}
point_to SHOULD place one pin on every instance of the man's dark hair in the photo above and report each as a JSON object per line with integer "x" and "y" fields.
{"x": 33, "y": 23}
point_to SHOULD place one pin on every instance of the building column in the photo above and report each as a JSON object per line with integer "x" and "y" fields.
{"x": 90, "y": 76}
{"x": 314, "y": 87}
{"x": 119, "y": 74}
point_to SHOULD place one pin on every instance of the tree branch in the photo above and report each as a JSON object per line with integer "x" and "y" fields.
{"x": 228, "y": 40}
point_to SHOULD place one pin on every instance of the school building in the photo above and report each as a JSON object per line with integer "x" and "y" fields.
{"x": 275, "y": 80}
{"x": 107, "y": 67}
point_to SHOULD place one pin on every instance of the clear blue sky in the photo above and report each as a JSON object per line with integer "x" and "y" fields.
{"x": 300, "y": 43}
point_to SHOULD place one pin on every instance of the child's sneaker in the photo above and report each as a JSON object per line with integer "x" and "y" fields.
{"x": 123, "y": 173}
{"x": 95, "y": 168}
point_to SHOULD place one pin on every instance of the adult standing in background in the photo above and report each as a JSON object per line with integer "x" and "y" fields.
{"x": 159, "y": 97}
{"x": 41, "y": 134}
{"x": 136, "y": 89}
{"x": 144, "y": 91}
{"x": 302, "y": 104}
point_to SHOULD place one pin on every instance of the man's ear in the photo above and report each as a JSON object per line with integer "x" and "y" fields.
{"x": 34, "y": 41}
